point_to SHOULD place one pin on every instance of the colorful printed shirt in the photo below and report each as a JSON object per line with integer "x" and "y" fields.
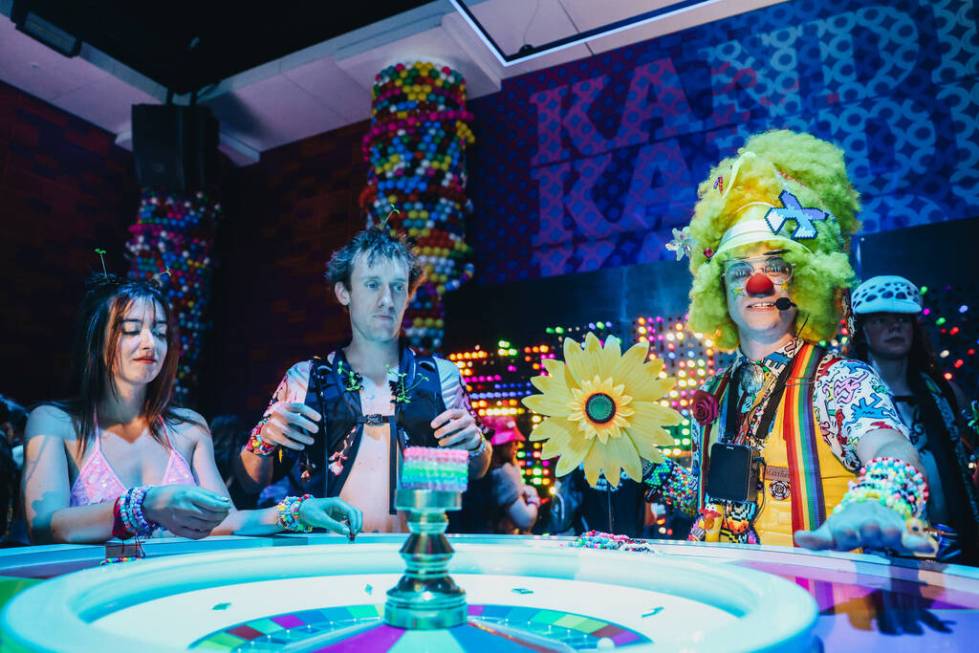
{"x": 849, "y": 400}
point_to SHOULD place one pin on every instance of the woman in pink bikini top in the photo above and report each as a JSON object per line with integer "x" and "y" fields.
{"x": 97, "y": 482}
{"x": 118, "y": 460}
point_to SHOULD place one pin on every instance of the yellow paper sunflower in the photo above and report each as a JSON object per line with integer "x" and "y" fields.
{"x": 602, "y": 408}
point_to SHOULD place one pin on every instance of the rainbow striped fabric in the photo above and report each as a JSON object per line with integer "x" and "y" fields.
{"x": 799, "y": 430}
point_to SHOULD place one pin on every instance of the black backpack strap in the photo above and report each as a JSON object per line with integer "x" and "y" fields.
{"x": 319, "y": 373}
{"x": 431, "y": 381}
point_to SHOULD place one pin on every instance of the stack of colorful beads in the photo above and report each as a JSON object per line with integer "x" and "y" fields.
{"x": 434, "y": 468}
{"x": 416, "y": 150}
{"x": 175, "y": 233}
{"x": 128, "y": 517}
{"x": 891, "y": 482}
{"x": 288, "y": 517}
{"x": 609, "y": 541}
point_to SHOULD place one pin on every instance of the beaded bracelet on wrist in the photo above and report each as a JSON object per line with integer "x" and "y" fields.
{"x": 478, "y": 451}
{"x": 288, "y": 517}
{"x": 126, "y": 512}
{"x": 139, "y": 495}
{"x": 257, "y": 444}
{"x": 667, "y": 484}
{"x": 120, "y": 528}
{"x": 144, "y": 527}
{"x": 893, "y": 483}
{"x": 128, "y": 519}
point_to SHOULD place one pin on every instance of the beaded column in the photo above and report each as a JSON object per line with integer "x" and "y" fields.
{"x": 416, "y": 150}
{"x": 175, "y": 233}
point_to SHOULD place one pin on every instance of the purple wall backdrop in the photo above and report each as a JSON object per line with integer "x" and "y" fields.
{"x": 589, "y": 165}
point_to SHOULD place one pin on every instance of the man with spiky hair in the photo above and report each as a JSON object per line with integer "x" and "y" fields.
{"x": 791, "y": 445}
{"x": 336, "y": 425}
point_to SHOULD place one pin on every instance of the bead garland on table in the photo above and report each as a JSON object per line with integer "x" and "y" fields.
{"x": 609, "y": 541}
{"x": 416, "y": 150}
{"x": 174, "y": 234}
{"x": 893, "y": 483}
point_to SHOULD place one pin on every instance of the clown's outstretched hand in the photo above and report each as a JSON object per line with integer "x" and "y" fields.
{"x": 866, "y": 525}
{"x": 884, "y": 507}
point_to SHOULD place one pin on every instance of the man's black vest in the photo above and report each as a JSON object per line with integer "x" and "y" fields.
{"x": 343, "y": 423}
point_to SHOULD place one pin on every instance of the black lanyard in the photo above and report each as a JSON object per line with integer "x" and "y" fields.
{"x": 320, "y": 374}
{"x": 732, "y": 421}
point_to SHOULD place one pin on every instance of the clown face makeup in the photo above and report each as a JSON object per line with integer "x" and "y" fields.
{"x": 753, "y": 283}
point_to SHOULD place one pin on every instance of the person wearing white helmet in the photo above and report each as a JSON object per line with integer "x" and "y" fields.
{"x": 889, "y": 337}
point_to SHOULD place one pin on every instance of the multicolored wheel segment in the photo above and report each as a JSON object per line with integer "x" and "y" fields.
{"x": 499, "y": 628}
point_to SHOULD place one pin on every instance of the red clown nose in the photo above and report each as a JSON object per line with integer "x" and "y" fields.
{"x": 759, "y": 284}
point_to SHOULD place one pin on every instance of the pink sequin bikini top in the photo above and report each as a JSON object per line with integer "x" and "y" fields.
{"x": 97, "y": 482}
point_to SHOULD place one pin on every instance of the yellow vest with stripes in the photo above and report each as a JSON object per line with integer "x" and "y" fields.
{"x": 774, "y": 521}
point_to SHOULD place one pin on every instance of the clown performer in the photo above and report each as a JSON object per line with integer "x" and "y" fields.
{"x": 792, "y": 445}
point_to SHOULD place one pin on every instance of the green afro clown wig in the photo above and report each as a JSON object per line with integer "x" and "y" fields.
{"x": 735, "y": 209}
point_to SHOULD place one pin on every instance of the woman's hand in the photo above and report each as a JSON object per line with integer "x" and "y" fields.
{"x": 334, "y": 515}
{"x": 185, "y": 510}
{"x": 530, "y": 495}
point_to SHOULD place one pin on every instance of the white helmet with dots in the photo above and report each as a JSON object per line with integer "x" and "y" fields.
{"x": 886, "y": 294}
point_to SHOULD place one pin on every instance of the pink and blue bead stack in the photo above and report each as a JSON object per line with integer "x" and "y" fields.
{"x": 434, "y": 468}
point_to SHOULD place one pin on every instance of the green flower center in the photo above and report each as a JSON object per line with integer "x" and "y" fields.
{"x": 600, "y": 408}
